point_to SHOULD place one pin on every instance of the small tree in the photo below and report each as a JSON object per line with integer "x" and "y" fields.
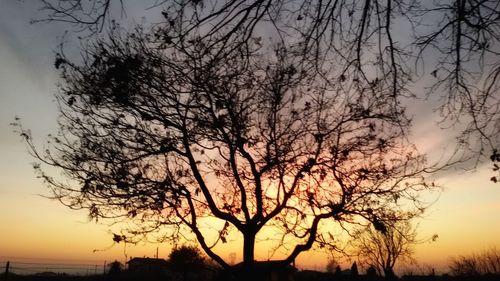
{"x": 354, "y": 269}
{"x": 115, "y": 268}
{"x": 382, "y": 246}
{"x": 371, "y": 272}
{"x": 486, "y": 262}
{"x": 186, "y": 259}
{"x": 465, "y": 266}
{"x": 331, "y": 265}
{"x": 338, "y": 271}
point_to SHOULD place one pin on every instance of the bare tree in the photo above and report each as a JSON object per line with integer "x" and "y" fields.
{"x": 354, "y": 40}
{"x": 467, "y": 69}
{"x": 331, "y": 265}
{"x": 486, "y": 262}
{"x": 168, "y": 134}
{"x": 385, "y": 245}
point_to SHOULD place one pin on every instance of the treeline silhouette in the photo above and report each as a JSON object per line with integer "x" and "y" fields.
{"x": 28, "y": 271}
{"x": 187, "y": 263}
{"x": 483, "y": 263}
{"x": 303, "y": 275}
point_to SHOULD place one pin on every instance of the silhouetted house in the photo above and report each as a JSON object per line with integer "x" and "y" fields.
{"x": 148, "y": 266}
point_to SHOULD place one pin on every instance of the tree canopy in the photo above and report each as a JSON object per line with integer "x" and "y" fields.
{"x": 165, "y": 135}
{"x": 454, "y": 44}
{"x": 186, "y": 259}
{"x": 281, "y": 115}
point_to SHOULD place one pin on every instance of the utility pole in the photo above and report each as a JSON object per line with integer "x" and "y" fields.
{"x": 104, "y": 268}
{"x": 7, "y": 268}
{"x": 157, "y": 252}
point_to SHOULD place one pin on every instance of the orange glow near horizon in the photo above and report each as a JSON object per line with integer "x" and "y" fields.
{"x": 465, "y": 215}
{"x": 45, "y": 229}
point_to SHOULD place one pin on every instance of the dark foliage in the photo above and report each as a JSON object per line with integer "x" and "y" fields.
{"x": 186, "y": 258}
{"x": 354, "y": 269}
{"x": 166, "y": 136}
{"x": 199, "y": 118}
{"x": 115, "y": 268}
{"x": 457, "y": 42}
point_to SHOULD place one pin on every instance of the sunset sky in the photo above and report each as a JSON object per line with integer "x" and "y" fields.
{"x": 465, "y": 215}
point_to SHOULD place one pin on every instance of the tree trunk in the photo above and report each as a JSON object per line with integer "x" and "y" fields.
{"x": 248, "y": 249}
{"x": 248, "y": 267}
{"x": 389, "y": 274}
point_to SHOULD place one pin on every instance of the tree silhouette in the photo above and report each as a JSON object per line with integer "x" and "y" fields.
{"x": 331, "y": 265}
{"x": 360, "y": 40}
{"x": 354, "y": 269}
{"x": 186, "y": 259}
{"x": 167, "y": 136}
{"x": 484, "y": 263}
{"x": 371, "y": 273}
{"x": 179, "y": 126}
{"x": 382, "y": 248}
{"x": 115, "y": 268}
